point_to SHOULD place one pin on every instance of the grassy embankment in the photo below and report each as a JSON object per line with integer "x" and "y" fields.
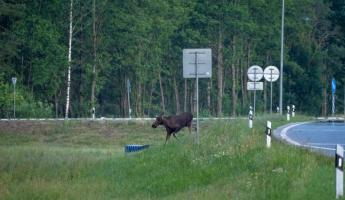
{"x": 75, "y": 161}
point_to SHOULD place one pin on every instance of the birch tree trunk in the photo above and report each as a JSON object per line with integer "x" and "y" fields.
{"x": 324, "y": 97}
{"x": 233, "y": 74}
{"x": 209, "y": 86}
{"x": 150, "y": 99}
{"x": 69, "y": 59}
{"x": 245, "y": 79}
{"x": 220, "y": 72}
{"x": 177, "y": 97}
{"x": 94, "y": 36}
{"x": 162, "y": 92}
{"x": 139, "y": 100}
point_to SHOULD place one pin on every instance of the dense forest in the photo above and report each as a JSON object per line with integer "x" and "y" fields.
{"x": 72, "y": 55}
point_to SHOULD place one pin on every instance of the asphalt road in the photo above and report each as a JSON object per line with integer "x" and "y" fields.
{"x": 320, "y": 136}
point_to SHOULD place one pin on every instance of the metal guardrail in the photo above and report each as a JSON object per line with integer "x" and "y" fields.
{"x": 112, "y": 119}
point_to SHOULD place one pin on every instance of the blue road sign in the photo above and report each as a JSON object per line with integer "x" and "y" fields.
{"x": 334, "y": 86}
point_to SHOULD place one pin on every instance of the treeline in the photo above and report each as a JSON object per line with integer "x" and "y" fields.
{"x": 142, "y": 41}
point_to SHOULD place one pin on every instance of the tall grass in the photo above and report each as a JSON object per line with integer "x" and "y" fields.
{"x": 231, "y": 162}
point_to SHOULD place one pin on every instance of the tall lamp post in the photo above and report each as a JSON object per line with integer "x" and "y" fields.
{"x": 281, "y": 60}
{"x": 14, "y": 81}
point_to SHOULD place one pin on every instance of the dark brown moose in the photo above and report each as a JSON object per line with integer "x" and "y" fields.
{"x": 174, "y": 124}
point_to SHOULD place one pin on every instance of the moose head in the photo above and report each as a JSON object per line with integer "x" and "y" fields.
{"x": 159, "y": 121}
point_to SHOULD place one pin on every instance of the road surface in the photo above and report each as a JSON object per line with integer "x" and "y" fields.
{"x": 320, "y": 136}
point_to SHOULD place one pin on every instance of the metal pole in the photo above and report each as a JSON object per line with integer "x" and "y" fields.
{"x": 254, "y": 90}
{"x": 271, "y": 91}
{"x": 14, "y": 101}
{"x": 282, "y": 59}
{"x": 197, "y": 98}
{"x": 250, "y": 117}
{"x": 333, "y": 103}
{"x": 129, "y": 103}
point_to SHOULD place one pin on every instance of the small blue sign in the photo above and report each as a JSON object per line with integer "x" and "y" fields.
{"x": 334, "y": 86}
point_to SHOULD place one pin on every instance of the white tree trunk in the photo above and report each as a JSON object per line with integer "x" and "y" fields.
{"x": 69, "y": 59}
{"x": 93, "y": 86}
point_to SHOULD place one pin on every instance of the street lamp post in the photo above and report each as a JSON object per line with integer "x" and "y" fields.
{"x": 281, "y": 59}
{"x": 14, "y": 81}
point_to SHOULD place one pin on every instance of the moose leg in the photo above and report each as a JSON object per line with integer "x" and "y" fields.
{"x": 175, "y": 136}
{"x": 167, "y": 138}
{"x": 190, "y": 128}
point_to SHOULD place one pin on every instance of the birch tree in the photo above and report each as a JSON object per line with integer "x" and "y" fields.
{"x": 69, "y": 59}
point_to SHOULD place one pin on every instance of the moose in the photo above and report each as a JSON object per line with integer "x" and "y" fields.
{"x": 174, "y": 124}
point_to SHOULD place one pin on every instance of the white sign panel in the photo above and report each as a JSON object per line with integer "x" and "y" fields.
{"x": 271, "y": 73}
{"x": 255, "y": 86}
{"x": 14, "y": 80}
{"x": 200, "y": 58}
{"x": 255, "y": 73}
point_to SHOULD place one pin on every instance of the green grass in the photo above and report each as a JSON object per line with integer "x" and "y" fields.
{"x": 83, "y": 161}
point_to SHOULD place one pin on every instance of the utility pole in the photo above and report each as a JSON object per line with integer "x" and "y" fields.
{"x": 282, "y": 59}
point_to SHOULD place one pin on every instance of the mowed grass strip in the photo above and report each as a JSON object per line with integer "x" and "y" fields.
{"x": 231, "y": 162}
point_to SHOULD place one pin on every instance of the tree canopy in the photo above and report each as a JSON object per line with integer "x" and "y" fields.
{"x": 142, "y": 41}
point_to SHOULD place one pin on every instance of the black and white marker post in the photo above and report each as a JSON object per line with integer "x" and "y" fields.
{"x": 288, "y": 113}
{"x": 93, "y": 112}
{"x": 250, "y": 117}
{"x": 268, "y": 134}
{"x": 339, "y": 171}
{"x": 293, "y": 110}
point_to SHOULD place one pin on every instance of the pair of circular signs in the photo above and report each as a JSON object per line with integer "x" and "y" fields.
{"x": 255, "y": 73}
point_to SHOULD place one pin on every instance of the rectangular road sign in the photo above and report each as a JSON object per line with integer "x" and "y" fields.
{"x": 200, "y": 58}
{"x": 255, "y": 86}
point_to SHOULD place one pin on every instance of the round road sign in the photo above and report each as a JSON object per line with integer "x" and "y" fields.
{"x": 271, "y": 73}
{"x": 255, "y": 73}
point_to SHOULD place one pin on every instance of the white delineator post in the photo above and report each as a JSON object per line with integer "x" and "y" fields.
{"x": 288, "y": 113}
{"x": 339, "y": 171}
{"x": 93, "y": 112}
{"x": 250, "y": 117}
{"x": 293, "y": 110}
{"x": 268, "y": 134}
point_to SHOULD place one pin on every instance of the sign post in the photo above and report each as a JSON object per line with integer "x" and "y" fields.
{"x": 271, "y": 74}
{"x": 255, "y": 73}
{"x": 339, "y": 171}
{"x": 14, "y": 81}
{"x": 197, "y": 63}
{"x": 334, "y": 86}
